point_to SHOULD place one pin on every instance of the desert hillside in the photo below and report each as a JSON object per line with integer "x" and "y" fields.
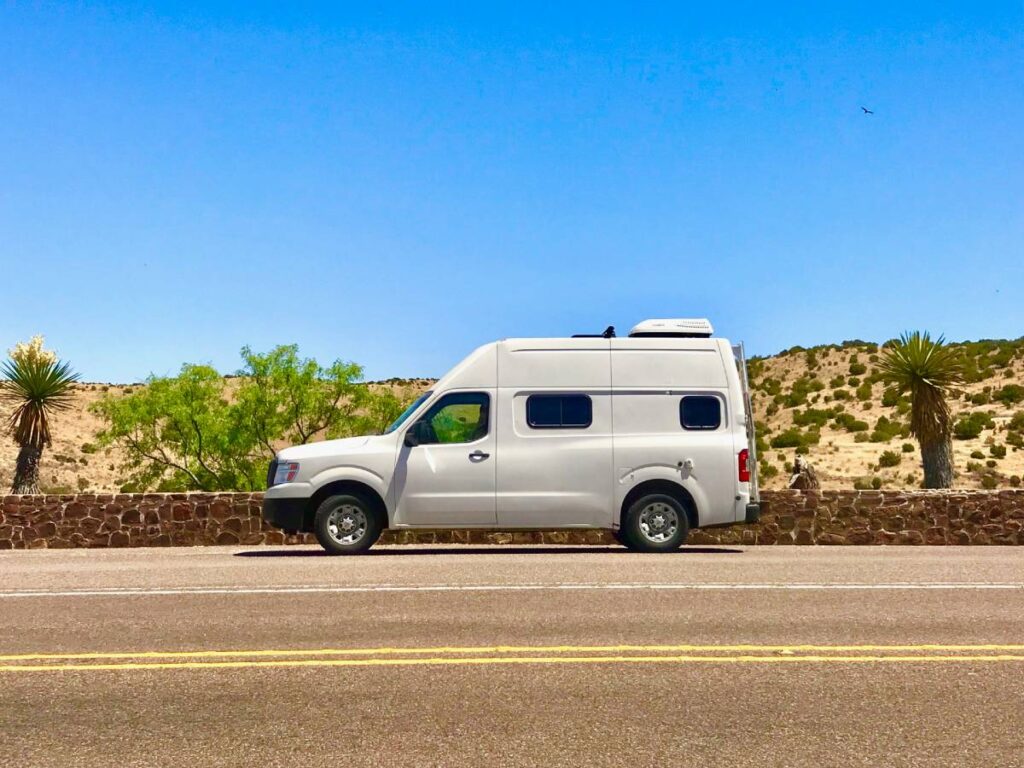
{"x": 828, "y": 403}
{"x": 831, "y": 404}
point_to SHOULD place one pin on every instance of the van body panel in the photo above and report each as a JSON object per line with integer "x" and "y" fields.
{"x": 646, "y": 363}
{"x": 554, "y": 477}
{"x": 538, "y": 364}
{"x": 649, "y": 441}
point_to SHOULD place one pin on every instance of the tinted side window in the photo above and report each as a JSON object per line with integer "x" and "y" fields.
{"x": 559, "y": 411}
{"x": 460, "y": 417}
{"x": 700, "y": 412}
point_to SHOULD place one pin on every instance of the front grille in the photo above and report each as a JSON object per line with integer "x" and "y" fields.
{"x": 271, "y": 471}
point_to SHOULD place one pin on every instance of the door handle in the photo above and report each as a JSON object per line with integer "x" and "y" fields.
{"x": 479, "y": 456}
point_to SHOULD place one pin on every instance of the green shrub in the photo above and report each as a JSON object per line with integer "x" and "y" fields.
{"x": 885, "y": 430}
{"x": 890, "y": 397}
{"x": 840, "y": 394}
{"x": 89, "y": 448}
{"x": 1017, "y": 422}
{"x": 816, "y": 416}
{"x": 988, "y": 482}
{"x": 1016, "y": 439}
{"x": 853, "y": 381}
{"x": 903, "y": 407}
{"x": 970, "y": 426}
{"x": 1011, "y": 394}
{"x": 977, "y": 455}
{"x": 767, "y": 470}
{"x": 864, "y": 391}
{"x": 860, "y": 437}
{"x": 980, "y": 398}
{"x": 876, "y": 483}
{"x": 889, "y": 459}
{"x": 858, "y": 369}
{"x": 1015, "y": 481}
{"x": 908, "y": 447}
{"x": 836, "y": 381}
{"x": 790, "y": 438}
{"x": 974, "y": 466}
{"x": 991, "y": 463}
{"x": 997, "y": 451}
{"x": 812, "y": 358}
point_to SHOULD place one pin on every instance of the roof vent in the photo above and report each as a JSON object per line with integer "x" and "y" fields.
{"x": 686, "y": 328}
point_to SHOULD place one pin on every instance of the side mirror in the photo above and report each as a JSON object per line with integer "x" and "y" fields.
{"x": 415, "y": 434}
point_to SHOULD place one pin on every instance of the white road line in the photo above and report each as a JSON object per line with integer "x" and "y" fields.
{"x": 557, "y": 586}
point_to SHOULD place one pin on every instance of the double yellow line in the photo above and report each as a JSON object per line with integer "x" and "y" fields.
{"x": 509, "y": 655}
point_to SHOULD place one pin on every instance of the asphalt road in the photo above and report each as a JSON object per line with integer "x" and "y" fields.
{"x": 497, "y": 656}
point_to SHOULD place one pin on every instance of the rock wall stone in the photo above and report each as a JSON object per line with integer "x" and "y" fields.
{"x": 789, "y": 517}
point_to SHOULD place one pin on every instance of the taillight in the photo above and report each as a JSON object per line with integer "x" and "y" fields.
{"x": 744, "y": 466}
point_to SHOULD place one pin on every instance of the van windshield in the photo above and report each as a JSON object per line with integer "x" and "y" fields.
{"x": 408, "y": 412}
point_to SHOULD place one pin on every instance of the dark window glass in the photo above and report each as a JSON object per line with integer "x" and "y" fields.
{"x": 700, "y": 412}
{"x": 559, "y": 411}
{"x": 460, "y": 417}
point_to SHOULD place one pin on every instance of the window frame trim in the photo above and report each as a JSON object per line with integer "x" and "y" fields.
{"x": 721, "y": 412}
{"x": 551, "y": 395}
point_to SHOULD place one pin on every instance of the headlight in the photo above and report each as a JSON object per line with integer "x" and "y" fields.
{"x": 286, "y": 472}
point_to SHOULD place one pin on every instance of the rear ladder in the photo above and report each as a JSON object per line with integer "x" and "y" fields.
{"x": 741, "y": 364}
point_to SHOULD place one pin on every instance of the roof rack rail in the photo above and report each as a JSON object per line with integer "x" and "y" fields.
{"x": 609, "y": 333}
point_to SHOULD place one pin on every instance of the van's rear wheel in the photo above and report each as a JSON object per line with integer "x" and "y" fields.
{"x": 346, "y": 525}
{"x": 655, "y": 523}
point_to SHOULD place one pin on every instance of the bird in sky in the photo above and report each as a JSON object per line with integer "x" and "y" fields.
{"x": 867, "y": 111}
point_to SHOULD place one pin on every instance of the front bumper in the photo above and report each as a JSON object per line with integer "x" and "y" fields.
{"x": 288, "y": 514}
{"x": 753, "y": 512}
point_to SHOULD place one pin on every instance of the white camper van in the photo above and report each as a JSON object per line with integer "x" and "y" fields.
{"x": 648, "y": 436}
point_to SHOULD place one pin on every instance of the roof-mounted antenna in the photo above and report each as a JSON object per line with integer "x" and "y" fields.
{"x": 609, "y": 333}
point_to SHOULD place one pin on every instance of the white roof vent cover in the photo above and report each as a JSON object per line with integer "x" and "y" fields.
{"x": 692, "y": 327}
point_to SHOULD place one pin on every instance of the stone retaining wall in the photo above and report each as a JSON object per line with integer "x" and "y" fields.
{"x": 790, "y": 517}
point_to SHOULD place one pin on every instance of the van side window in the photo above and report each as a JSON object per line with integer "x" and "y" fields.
{"x": 700, "y": 412}
{"x": 559, "y": 411}
{"x": 461, "y": 417}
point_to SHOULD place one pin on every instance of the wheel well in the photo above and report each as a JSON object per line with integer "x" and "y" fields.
{"x": 353, "y": 487}
{"x": 667, "y": 487}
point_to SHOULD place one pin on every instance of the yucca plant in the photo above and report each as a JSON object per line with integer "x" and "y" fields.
{"x": 37, "y": 384}
{"x": 927, "y": 370}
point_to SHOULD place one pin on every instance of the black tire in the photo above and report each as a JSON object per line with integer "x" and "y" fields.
{"x": 640, "y": 528}
{"x": 337, "y": 511}
{"x": 620, "y": 537}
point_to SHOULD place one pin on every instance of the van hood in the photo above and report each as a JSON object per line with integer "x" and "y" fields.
{"x": 341, "y": 447}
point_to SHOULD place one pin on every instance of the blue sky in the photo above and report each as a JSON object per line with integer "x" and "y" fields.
{"x": 397, "y": 185}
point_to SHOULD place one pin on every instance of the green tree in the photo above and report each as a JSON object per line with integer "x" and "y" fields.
{"x": 283, "y": 398}
{"x": 200, "y": 431}
{"x": 927, "y": 370}
{"x": 38, "y": 384}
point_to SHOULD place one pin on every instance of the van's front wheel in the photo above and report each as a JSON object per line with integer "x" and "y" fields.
{"x": 655, "y": 523}
{"x": 346, "y": 525}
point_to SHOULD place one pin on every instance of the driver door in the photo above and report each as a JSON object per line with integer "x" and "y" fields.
{"x": 448, "y": 478}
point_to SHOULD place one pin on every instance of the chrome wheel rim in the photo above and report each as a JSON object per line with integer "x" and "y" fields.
{"x": 659, "y": 522}
{"x": 347, "y": 524}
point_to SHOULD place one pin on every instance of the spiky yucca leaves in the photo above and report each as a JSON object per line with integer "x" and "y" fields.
{"x": 37, "y": 385}
{"x": 927, "y": 370}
